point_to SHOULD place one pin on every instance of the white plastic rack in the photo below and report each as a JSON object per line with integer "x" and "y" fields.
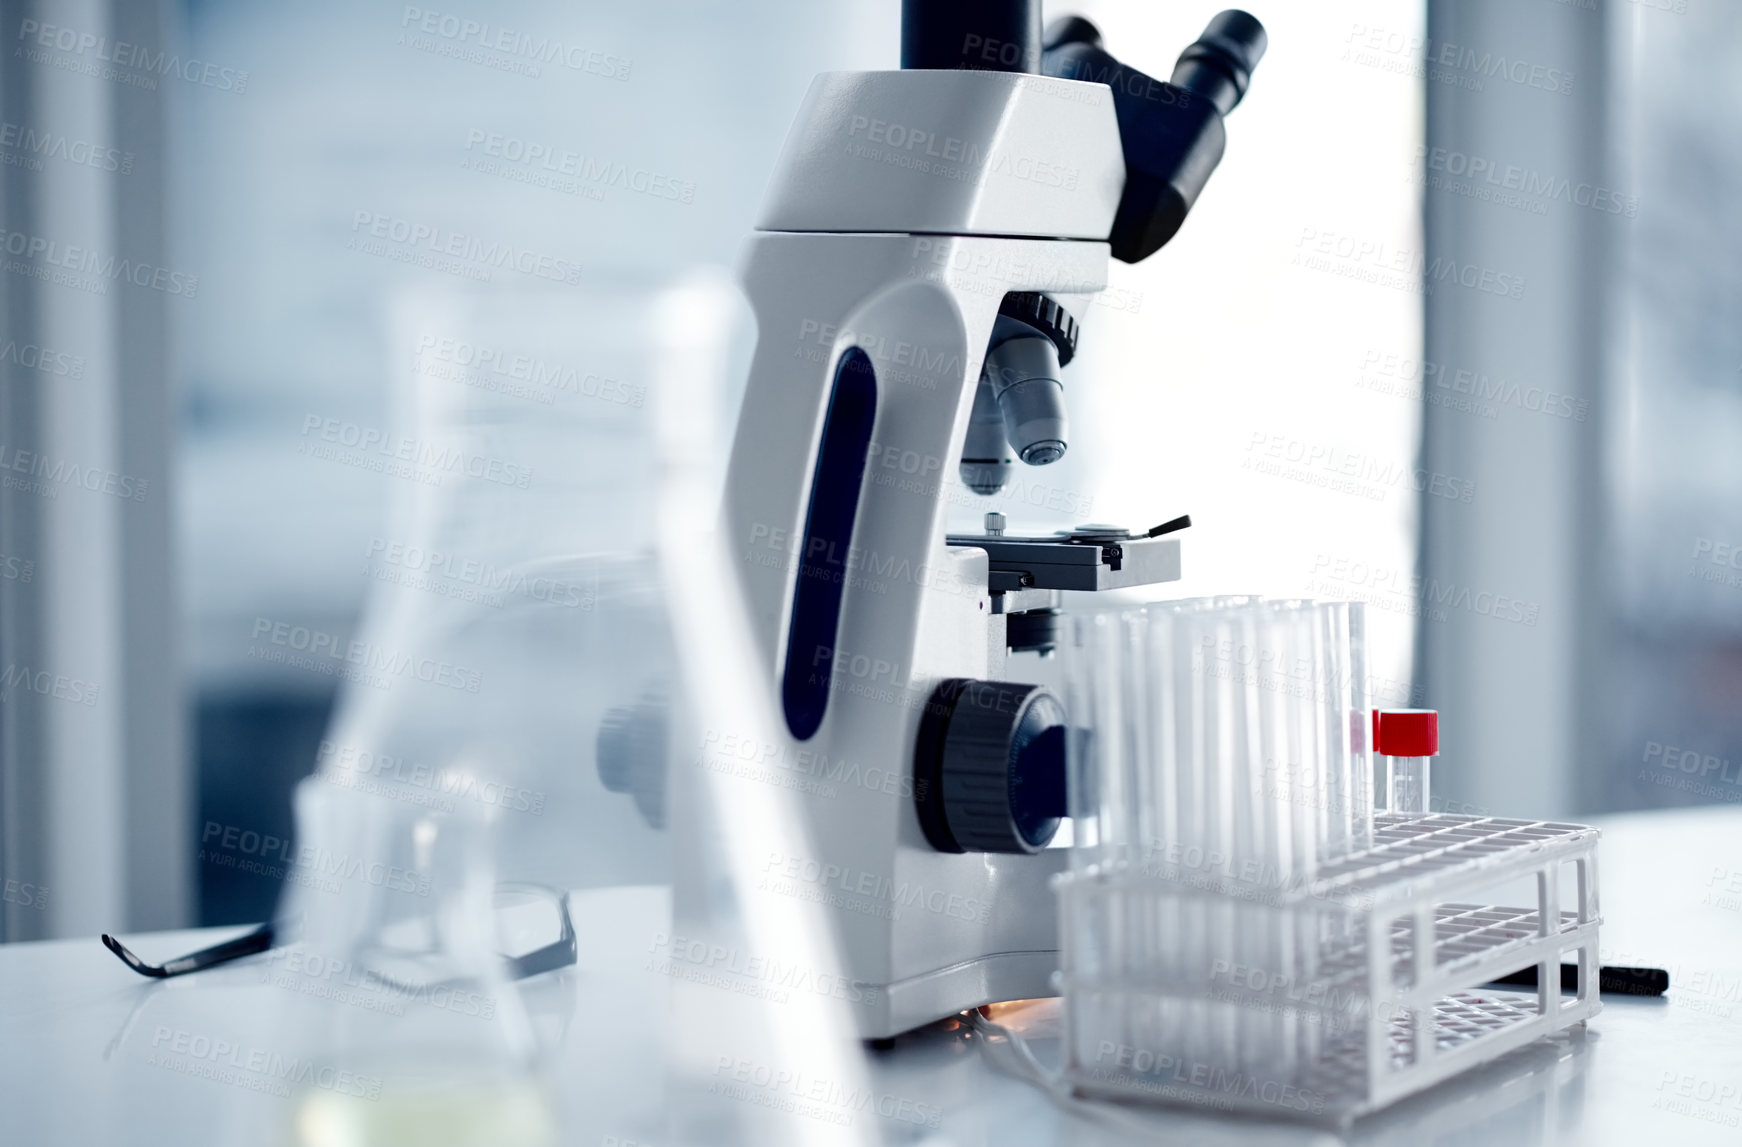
{"x": 1335, "y": 996}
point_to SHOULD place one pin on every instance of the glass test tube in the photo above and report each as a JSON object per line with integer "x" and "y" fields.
{"x": 1407, "y": 740}
{"x": 1407, "y": 783}
{"x": 1360, "y": 731}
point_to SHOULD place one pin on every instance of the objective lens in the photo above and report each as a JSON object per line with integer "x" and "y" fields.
{"x": 1023, "y": 374}
{"x": 985, "y": 458}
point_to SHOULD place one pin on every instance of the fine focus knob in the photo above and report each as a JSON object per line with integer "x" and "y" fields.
{"x": 989, "y": 768}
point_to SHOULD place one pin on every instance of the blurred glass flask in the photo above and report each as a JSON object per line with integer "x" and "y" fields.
{"x": 405, "y": 1030}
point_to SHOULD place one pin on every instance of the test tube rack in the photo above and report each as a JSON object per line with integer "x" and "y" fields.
{"x": 1335, "y": 997}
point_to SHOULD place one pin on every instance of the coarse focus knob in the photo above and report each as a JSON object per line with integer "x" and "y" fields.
{"x": 989, "y": 767}
{"x": 630, "y": 753}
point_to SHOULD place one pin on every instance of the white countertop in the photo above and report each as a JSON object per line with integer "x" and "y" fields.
{"x": 77, "y": 1031}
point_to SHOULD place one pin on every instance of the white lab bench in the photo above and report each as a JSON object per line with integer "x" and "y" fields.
{"x": 77, "y": 1032}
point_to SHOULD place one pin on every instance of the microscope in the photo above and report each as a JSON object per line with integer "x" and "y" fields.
{"x": 930, "y": 239}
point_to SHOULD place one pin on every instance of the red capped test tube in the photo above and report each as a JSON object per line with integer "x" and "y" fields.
{"x": 1406, "y": 740}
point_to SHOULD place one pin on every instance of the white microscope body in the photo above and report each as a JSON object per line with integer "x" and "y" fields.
{"x": 863, "y": 246}
{"x": 917, "y": 219}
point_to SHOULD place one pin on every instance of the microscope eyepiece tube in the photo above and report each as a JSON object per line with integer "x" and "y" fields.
{"x": 980, "y": 35}
{"x": 1172, "y": 133}
{"x": 1218, "y": 66}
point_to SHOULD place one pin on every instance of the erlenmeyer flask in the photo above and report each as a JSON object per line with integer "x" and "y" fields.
{"x": 516, "y": 605}
{"x": 401, "y": 1026}
{"x": 555, "y": 646}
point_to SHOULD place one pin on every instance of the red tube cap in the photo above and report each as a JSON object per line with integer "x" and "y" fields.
{"x": 1406, "y": 732}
